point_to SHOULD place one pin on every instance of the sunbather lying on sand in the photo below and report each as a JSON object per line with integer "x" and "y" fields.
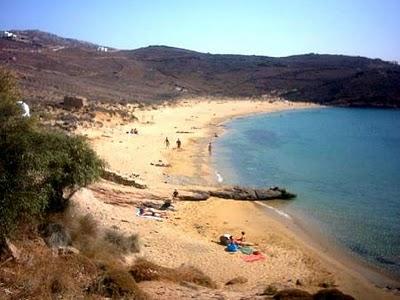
{"x": 227, "y": 238}
{"x": 151, "y": 212}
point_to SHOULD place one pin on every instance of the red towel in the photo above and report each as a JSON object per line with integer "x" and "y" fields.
{"x": 253, "y": 257}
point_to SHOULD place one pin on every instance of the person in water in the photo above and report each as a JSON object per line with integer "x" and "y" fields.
{"x": 166, "y": 142}
{"x": 178, "y": 143}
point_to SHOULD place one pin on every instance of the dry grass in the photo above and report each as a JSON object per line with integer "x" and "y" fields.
{"x": 42, "y": 275}
{"x": 96, "y": 244}
{"x": 125, "y": 244}
{"x": 144, "y": 270}
{"x": 115, "y": 282}
{"x": 88, "y": 226}
{"x": 97, "y": 269}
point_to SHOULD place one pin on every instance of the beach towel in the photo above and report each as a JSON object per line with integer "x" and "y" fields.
{"x": 231, "y": 247}
{"x": 253, "y": 257}
{"x": 246, "y": 250}
{"x": 147, "y": 217}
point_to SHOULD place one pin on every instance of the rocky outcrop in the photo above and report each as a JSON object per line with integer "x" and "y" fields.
{"x": 243, "y": 193}
{"x": 273, "y": 193}
{"x": 238, "y": 193}
{"x": 122, "y": 179}
{"x": 74, "y": 102}
{"x": 194, "y": 196}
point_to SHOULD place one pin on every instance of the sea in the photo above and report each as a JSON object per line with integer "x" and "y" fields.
{"x": 343, "y": 164}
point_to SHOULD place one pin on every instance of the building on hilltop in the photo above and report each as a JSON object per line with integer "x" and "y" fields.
{"x": 7, "y": 35}
{"x": 102, "y": 49}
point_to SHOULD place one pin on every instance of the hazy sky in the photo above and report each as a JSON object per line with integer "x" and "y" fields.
{"x": 264, "y": 27}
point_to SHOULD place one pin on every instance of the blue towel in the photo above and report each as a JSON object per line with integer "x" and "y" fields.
{"x": 231, "y": 247}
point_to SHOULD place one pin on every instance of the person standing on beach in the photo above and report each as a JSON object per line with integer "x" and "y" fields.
{"x": 209, "y": 147}
{"x": 166, "y": 143}
{"x": 178, "y": 143}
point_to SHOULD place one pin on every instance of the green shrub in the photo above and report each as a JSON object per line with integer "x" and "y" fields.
{"x": 36, "y": 165}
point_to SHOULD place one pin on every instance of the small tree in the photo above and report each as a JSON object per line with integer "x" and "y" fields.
{"x": 36, "y": 165}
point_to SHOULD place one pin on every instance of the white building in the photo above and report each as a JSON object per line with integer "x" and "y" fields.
{"x": 8, "y": 35}
{"x": 102, "y": 49}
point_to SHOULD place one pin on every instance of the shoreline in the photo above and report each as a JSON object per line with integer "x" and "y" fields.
{"x": 338, "y": 256}
{"x": 195, "y": 225}
{"x": 323, "y": 244}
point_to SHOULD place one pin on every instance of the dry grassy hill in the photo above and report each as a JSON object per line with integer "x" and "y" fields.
{"x": 50, "y": 67}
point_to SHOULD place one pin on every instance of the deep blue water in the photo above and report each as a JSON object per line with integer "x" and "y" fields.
{"x": 344, "y": 165}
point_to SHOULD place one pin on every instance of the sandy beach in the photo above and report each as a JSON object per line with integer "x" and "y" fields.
{"x": 189, "y": 235}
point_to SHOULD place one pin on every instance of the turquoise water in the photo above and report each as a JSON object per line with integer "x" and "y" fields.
{"x": 344, "y": 165}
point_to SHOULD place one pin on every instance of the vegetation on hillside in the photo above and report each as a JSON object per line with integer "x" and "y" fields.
{"x": 161, "y": 73}
{"x": 36, "y": 165}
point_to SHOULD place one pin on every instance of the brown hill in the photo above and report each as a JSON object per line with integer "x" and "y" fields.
{"x": 50, "y": 67}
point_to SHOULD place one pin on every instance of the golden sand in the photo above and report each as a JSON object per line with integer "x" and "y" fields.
{"x": 189, "y": 235}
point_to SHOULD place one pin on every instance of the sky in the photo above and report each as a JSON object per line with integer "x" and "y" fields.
{"x": 257, "y": 27}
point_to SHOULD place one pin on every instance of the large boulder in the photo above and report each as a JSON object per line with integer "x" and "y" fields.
{"x": 75, "y": 102}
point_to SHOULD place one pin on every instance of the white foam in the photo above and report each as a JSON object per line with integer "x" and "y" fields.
{"x": 279, "y": 212}
{"x": 219, "y": 177}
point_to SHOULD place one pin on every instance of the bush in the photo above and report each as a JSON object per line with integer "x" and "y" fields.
{"x": 144, "y": 270}
{"x": 123, "y": 243}
{"x": 36, "y": 165}
{"x": 116, "y": 283}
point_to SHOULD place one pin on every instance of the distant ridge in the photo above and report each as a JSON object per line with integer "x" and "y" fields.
{"x": 50, "y": 67}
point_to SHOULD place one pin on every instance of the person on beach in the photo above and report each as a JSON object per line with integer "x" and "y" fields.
{"x": 178, "y": 143}
{"x": 209, "y": 148}
{"x": 175, "y": 194}
{"x": 232, "y": 246}
{"x": 146, "y": 211}
{"x": 167, "y": 205}
{"x": 242, "y": 238}
{"x": 166, "y": 142}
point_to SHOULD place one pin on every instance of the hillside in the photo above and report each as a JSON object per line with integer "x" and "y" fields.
{"x": 50, "y": 67}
